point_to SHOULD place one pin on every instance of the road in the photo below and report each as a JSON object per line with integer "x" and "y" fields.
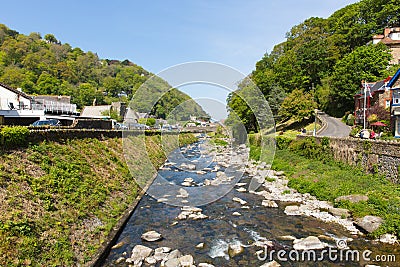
{"x": 335, "y": 127}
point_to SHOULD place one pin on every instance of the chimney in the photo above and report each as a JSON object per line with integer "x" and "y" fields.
{"x": 387, "y": 32}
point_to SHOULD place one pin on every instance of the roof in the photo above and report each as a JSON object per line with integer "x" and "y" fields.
{"x": 394, "y": 79}
{"x": 95, "y": 111}
{"x": 389, "y": 41}
{"x": 54, "y": 98}
{"x": 16, "y": 91}
{"x": 134, "y": 115}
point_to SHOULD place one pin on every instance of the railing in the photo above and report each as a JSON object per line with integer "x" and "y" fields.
{"x": 55, "y": 107}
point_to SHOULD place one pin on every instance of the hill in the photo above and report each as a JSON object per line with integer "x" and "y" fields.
{"x": 46, "y": 66}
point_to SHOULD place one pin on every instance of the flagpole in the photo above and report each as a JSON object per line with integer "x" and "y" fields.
{"x": 365, "y": 100}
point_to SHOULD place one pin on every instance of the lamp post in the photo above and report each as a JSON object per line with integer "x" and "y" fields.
{"x": 315, "y": 122}
{"x": 315, "y": 112}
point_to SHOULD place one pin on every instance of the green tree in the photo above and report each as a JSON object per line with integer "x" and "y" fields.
{"x": 51, "y": 38}
{"x": 368, "y": 63}
{"x": 298, "y": 105}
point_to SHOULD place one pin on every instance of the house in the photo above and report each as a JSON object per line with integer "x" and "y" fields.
{"x": 16, "y": 107}
{"x": 391, "y": 38}
{"x": 96, "y": 112}
{"x": 394, "y": 85}
{"x": 377, "y": 95}
{"x": 55, "y": 104}
{"x": 132, "y": 117}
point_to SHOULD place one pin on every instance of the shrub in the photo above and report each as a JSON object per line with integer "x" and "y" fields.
{"x": 282, "y": 142}
{"x": 14, "y": 136}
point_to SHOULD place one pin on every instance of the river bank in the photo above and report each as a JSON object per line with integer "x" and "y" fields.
{"x": 60, "y": 200}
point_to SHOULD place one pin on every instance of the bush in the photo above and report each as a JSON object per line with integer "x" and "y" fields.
{"x": 14, "y": 136}
{"x": 282, "y": 142}
{"x": 309, "y": 148}
{"x": 355, "y": 130}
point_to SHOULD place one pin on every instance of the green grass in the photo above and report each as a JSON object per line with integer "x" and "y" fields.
{"x": 59, "y": 201}
{"x": 328, "y": 180}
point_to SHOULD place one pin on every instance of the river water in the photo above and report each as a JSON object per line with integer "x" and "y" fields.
{"x": 223, "y": 227}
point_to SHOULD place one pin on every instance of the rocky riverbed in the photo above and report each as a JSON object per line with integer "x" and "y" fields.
{"x": 238, "y": 227}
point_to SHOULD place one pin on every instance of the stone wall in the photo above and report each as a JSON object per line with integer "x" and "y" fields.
{"x": 374, "y": 155}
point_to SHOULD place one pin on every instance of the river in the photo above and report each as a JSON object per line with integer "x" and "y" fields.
{"x": 231, "y": 223}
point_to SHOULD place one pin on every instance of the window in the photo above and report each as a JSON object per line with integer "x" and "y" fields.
{"x": 396, "y": 97}
{"x": 387, "y": 104}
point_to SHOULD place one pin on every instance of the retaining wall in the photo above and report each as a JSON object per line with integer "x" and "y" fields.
{"x": 374, "y": 155}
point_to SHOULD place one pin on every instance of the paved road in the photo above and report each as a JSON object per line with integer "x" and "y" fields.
{"x": 335, "y": 127}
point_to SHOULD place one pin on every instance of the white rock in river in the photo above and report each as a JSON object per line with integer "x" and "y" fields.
{"x": 139, "y": 253}
{"x": 151, "y": 236}
{"x": 236, "y": 214}
{"x": 271, "y": 264}
{"x": 235, "y": 249}
{"x": 174, "y": 262}
{"x": 186, "y": 261}
{"x": 308, "y": 243}
{"x": 269, "y": 203}
{"x": 200, "y": 245}
{"x": 183, "y": 193}
{"x": 203, "y": 264}
{"x": 241, "y": 201}
{"x": 151, "y": 260}
{"x": 292, "y": 210}
{"x": 187, "y": 184}
{"x": 189, "y": 180}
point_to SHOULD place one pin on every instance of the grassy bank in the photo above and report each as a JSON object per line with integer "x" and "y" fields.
{"x": 60, "y": 200}
{"x": 311, "y": 169}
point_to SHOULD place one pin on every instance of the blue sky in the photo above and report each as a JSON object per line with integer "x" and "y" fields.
{"x": 159, "y": 34}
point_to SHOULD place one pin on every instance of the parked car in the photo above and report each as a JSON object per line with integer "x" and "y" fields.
{"x": 49, "y": 122}
{"x": 139, "y": 126}
{"x": 121, "y": 126}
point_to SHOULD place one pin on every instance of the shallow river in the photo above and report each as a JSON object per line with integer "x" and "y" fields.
{"x": 222, "y": 228}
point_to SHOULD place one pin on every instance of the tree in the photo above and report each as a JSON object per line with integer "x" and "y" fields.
{"x": 368, "y": 63}
{"x": 298, "y": 105}
{"x": 51, "y": 38}
{"x": 275, "y": 99}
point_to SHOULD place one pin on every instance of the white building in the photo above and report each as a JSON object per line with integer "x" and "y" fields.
{"x": 16, "y": 107}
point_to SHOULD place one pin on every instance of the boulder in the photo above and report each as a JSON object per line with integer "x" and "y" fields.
{"x": 271, "y": 264}
{"x": 292, "y": 210}
{"x": 139, "y": 253}
{"x": 235, "y": 249}
{"x": 186, "y": 261}
{"x": 369, "y": 223}
{"x": 308, "y": 243}
{"x": 388, "y": 239}
{"x": 269, "y": 203}
{"x": 241, "y": 201}
{"x": 151, "y": 236}
{"x": 171, "y": 263}
{"x": 183, "y": 193}
{"x": 200, "y": 246}
{"x": 339, "y": 212}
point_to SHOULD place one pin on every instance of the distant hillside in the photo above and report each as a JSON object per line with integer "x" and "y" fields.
{"x": 45, "y": 65}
